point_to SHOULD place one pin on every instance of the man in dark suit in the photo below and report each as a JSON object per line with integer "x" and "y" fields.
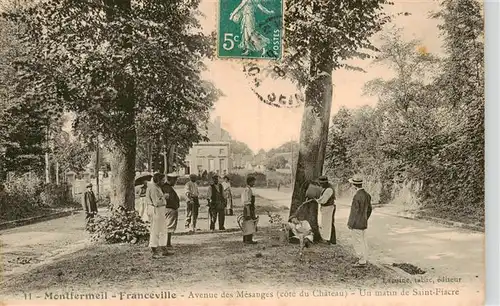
{"x": 361, "y": 210}
{"x": 216, "y": 203}
{"x": 89, "y": 202}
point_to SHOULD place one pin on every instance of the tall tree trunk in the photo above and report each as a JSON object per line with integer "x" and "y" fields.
{"x": 123, "y": 171}
{"x": 313, "y": 139}
{"x": 123, "y": 145}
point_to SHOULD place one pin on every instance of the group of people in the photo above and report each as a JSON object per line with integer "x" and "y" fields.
{"x": 159, "y": 204}
{"x": 360, "y": 212}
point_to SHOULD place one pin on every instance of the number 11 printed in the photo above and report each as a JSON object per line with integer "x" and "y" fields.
{"x": 250, "y": 29}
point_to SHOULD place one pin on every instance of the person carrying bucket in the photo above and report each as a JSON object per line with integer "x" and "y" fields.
{"x": 249, "y": 219}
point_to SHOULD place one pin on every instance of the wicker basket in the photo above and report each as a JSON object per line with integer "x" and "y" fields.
{"x": 313, "y": 191}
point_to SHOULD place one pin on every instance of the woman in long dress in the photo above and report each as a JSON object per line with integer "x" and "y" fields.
{"x": 251, "y": 39}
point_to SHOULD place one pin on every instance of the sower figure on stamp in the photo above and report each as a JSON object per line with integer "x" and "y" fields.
{"x": 193, "y": 203}
{"x": 173, "y": 203}
{"x": 156, "y": 209}
{"x": 216, "y": 203}
{"x": 248, "y": 201}
{"x": 251, "y": 38}
{"x": 361, "y": 209}
{"x": 89, "y": 202}
{"x": 327, "y": 211}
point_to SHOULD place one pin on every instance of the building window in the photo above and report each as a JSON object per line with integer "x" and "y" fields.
{"x": 222, "y": 164}
{"x": 221, "y": 151}
{"x": 211, "y": 165}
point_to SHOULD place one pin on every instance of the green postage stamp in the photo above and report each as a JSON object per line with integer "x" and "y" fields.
{"x": 250, "y": 29}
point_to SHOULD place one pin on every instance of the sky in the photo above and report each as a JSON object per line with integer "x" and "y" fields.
{"x": 264, "y": 127}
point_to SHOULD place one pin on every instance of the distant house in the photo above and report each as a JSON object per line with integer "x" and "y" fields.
{"x": 213, "y": 155}
{"x": 241, "y": 161}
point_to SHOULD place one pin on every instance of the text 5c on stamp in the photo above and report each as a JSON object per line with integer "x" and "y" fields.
{"x": 250, "y": 29}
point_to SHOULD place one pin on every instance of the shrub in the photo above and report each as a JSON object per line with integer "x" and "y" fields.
{"x": 57, "y": 196}
{"x": 237, "y": 180}
{"x": 120, "y": 226}
{"x": 21, "y": 198}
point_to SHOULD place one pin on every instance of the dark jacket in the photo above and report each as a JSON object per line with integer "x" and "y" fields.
{"x": 173, "y": 200}
{"x": 361, "y": 209}
{"x": 216, "y": 197}
{"x": 89, "y": 202}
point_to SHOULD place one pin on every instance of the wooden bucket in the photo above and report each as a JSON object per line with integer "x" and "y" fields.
{"x": 313, "y": 191}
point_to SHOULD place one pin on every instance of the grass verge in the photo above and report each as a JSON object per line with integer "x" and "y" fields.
{"x": 209, "y": 261}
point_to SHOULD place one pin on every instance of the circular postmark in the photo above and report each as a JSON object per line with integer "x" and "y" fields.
{"x": 273, "y": 83}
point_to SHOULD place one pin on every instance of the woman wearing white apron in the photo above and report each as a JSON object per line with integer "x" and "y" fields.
{"x": 157, "y": 210}
{"x": 326, "y": 216}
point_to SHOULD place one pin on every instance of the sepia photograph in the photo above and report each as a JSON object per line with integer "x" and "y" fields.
{"x": 242, "y": 151}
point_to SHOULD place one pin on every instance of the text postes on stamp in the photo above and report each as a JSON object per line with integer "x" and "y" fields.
{"x": 250, "y": 29}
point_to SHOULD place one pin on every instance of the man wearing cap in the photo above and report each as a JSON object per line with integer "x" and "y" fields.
{"x": 157, "y": 202}
{"x": 327, "y": 211}
{"x": 89, "y": 202}
{"x": 173, "y": 203}
{"x": 193, "y": 204}
{"x": 361, "y": 209}
{"x": 216, "y": 203}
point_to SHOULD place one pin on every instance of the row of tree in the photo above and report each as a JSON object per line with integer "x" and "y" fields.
{"x": 128, "y": 70}
{"x": 428, "y": 126}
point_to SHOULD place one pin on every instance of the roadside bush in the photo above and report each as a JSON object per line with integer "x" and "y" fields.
{"x": 21, "y": 198}
{"x": 237, "y": 180}
{"x": 57, "y": 196}
{"x": 121, "y": 226}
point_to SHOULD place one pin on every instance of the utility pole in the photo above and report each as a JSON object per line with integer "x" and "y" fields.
{"x": 96, "y": 170}
{"x": 47, "y": 167}
{"x": 150, "y": 156}
{"x": 57, "y": 173}
{"x": 165, "y": 159}
{"x": 291, "y": 163}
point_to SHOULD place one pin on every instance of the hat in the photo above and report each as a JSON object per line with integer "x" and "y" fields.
{"x": 89, "y": 185}
{"x": 172, "y": 175}
{"x": 356, "y": 180}
{"x": 323, "y": 179}
{"x": 215, "y": 175}
{"x": 193, "y": 176}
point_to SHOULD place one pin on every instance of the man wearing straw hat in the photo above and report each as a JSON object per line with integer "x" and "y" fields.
{"x": 327, "y": 211}
{"x": 173, "y": 203}
{"x": 361, "y": 209}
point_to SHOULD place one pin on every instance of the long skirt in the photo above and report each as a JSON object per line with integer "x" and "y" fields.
{"x": 325, "y": 222}
{"x": 158, "y": 230}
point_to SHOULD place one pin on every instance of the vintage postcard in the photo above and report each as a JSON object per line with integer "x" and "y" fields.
{"x": 237, "y": 152}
